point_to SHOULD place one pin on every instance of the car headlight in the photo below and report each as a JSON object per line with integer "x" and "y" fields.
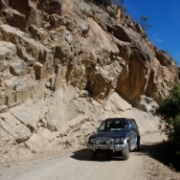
{"x": 119, "y": 140}
{"x": 91, "y": 140}
{"x": 109, "y": 141}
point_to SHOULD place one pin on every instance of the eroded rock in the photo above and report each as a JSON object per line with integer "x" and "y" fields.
{"x": 67, "y": 64}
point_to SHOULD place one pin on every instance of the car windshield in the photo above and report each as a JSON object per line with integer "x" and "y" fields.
{"x": 115, "y": 125}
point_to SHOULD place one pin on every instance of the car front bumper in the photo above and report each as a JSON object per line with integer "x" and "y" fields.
{"x": 112, "y": 147}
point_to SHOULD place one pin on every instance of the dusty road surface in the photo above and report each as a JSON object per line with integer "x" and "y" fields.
{"x": 79, "y": 166}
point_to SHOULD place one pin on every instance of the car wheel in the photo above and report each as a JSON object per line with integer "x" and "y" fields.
{"x": 125, "y": 152}
{"x": 138, "y": 145}
{"x": 94, "y": 155}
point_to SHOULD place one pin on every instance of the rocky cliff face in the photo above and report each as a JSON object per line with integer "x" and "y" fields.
{"x": 66, "y": 64}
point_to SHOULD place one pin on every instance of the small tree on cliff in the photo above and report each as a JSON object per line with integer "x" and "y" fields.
{"x": 100, "y": 2}
{"x": 144, "y": 24}
{"x": 107, "y": 2}
{"x": 169, "y": 111}
{"x": 113, "y": 5}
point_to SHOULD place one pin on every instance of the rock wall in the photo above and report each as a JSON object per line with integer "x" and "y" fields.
{"x": 67, "y": 64}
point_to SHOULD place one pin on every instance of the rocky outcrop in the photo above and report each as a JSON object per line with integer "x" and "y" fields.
{"x": 67, "y": 64}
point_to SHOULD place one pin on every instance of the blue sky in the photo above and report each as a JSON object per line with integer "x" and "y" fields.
{"x": 164, "y": 18}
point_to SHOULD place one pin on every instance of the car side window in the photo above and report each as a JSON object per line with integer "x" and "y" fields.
{"x": 130, "y": 125}
{"x": 134, "y": 126}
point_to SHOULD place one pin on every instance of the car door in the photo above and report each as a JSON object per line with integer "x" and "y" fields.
{"x": 134, "y": 134}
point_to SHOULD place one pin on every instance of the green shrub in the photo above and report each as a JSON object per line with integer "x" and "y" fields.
{"x": 169, "y": 111}
{"x": 176, "y": 134}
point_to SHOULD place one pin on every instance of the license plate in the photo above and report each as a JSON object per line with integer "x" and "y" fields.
{"x": 103, "y": 147}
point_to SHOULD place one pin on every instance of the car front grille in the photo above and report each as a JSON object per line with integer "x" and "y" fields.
{"x": 103, "y": 140}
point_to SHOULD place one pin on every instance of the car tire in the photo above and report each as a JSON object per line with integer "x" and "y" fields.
{"x": 138, "y": 145}
{"x": 94, "y": 155}
{"x": 125, "y": 152}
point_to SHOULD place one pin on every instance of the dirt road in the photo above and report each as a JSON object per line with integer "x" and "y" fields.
{"x": 78, "y": 166}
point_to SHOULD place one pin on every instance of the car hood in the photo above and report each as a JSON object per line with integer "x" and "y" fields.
{"x": 122, "y": 133}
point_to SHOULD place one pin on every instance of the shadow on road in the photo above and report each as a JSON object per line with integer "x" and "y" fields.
{"x": 162, "y": 153}
{"x": 81, "y": 155}
{"x": 159, "y": 152}
{"x": 86, "y": 155}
